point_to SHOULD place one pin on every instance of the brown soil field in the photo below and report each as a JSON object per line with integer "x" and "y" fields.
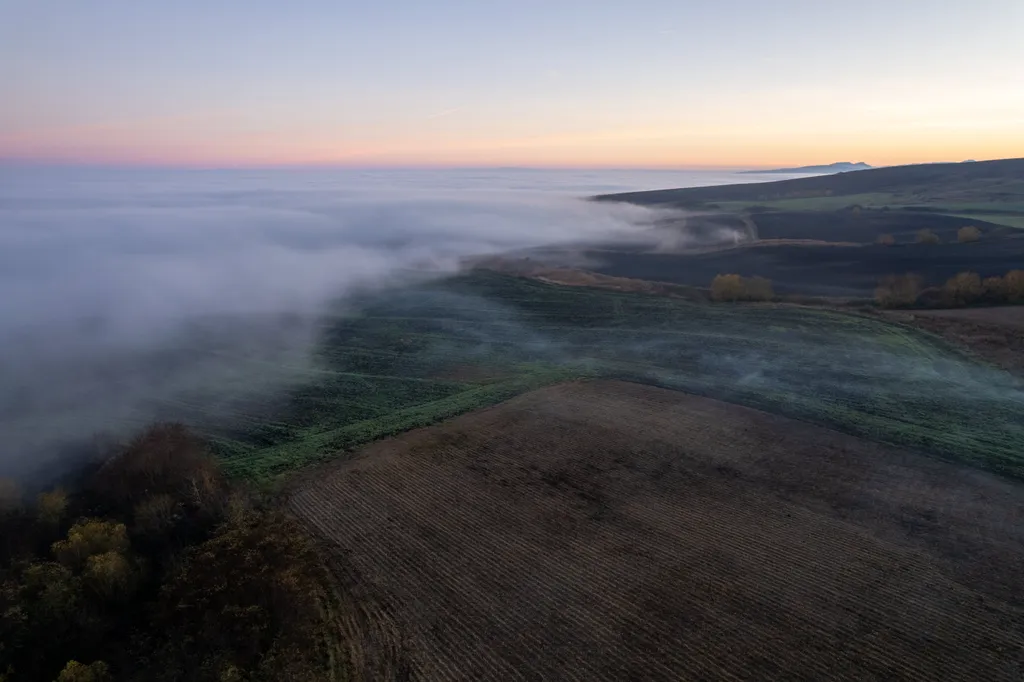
{"x": 1004, "y": 316}
{"x": 611, "y": 531}
{"x": 994, "y": 334}
{"x": 576, "y": 277}
{"x": 795, "y": 242}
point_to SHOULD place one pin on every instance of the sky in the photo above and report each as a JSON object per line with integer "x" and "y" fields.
{"x": 645, "y": 83}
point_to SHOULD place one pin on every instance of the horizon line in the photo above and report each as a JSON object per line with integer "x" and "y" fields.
{"x": 24, "y": 162}
{"x": 126, "y": 165}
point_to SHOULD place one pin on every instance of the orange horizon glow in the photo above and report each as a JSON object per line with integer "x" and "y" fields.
{"x": 602, "y": 149}
{"x": 792, "y": 129}
{"x": 786, "y": 127}
{"x": 685, "y": 85}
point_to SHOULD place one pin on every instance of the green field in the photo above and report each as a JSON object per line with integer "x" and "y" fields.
{"x": 411, "y": 357}
{"x": 998, "y": 213}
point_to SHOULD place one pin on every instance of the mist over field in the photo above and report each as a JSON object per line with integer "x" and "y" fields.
{"x": 128, "y": 292}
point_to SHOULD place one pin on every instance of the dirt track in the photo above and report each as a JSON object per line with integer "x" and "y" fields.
{"x": 995, "y": 334}
{"x": 612, "y": 531}
{"x": 1005, "y": 316}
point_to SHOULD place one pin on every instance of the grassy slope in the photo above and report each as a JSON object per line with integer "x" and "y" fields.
{"x": 411, "y": 358}
{"x": 982, "y": 182}
{"x": 1016, "y": 221}
{"x": 991, "y": 191}
{"x": 988, "y": 190}
{"x": 856, "y": 207}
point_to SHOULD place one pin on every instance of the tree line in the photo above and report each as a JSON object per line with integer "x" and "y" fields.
{"x": 965, "y": 235}
{"x": 150, "y": 566}
{"x": 963, "y": 289}
{"x": 732, "y": 288}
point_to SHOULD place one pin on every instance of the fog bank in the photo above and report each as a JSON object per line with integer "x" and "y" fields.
{"x": 130, "y": 294}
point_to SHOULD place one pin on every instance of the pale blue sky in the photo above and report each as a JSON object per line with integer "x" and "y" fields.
{"x": 646, "y": 82}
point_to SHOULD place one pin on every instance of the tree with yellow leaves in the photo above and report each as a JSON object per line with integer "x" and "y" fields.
{"x": 967, "y": 234}
{"x": 963, "y": 289}
{"x": 89, "y": 537}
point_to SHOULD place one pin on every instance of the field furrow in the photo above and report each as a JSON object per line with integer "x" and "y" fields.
{"x": 603, "y": 530}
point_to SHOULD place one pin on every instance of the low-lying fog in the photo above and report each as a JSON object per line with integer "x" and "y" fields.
{"x": 125, "y": 290}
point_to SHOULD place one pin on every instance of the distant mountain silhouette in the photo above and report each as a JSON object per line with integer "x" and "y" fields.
{"x": 838, "y": 167}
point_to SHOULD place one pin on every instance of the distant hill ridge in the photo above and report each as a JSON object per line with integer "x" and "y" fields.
{"x": 837, "y": 167}
{"x": 1004, "y": 177}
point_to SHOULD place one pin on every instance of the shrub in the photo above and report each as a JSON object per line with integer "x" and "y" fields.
{"x": 726, "y": 288}
{"x": 962, "y": 289}
{"x": 898, "y": 291}
{"x": 927, "y": 237}
{"x": 79, "y": 672}
{"x": 51, "y": 507}
{"x": 1014, "y": 286}
{"x": 89, "y": 537}
{"x": 995, "y": 289}
{"x": 164, "y": 460}
{"x": 51, "y": 594}
{"x": 886, "y": 239}
{"x": 188, "y": 596}
{"x": 110, "y": 575}
{"x": 10, "y": 495}
{"x": 247, "y": 599}
{"x": 970, "y": 233}
{"x": 736, "y": 288}
{"x": 155, "y": 515}
{"x": 758, "y": 289}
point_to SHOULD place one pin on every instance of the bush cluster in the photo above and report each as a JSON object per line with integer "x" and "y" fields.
{"x": 731, "y": 288}
{"x": 898, "y": 291}
{"x": 964, "y": 235}
{"x": 153, "y": 568}
{"x": 1006, "y": 289}
{"x": 967, "y": 234}
{"x": 963, "y": 289}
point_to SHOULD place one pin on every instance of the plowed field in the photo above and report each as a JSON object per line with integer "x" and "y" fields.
{"x": 610, "y": 531}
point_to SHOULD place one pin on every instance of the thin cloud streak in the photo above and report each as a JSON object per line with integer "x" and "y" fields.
{"x": 446, "y": 112}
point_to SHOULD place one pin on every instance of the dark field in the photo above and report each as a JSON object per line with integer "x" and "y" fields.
{"x": 867, "y": 225}
{"x": 1009, "y": 316}
{"x": 610, "y": 531}
{"x": 847, "y": 208}
{"x": 817, "y": 270}
{"x": 412, "y": 357}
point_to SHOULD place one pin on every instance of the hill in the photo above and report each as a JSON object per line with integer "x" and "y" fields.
{"x": 999, "y": 181}
{"x": 838, "y": 167}
{"x": 815, "y": 268}
{"x": 883, "y": 212}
